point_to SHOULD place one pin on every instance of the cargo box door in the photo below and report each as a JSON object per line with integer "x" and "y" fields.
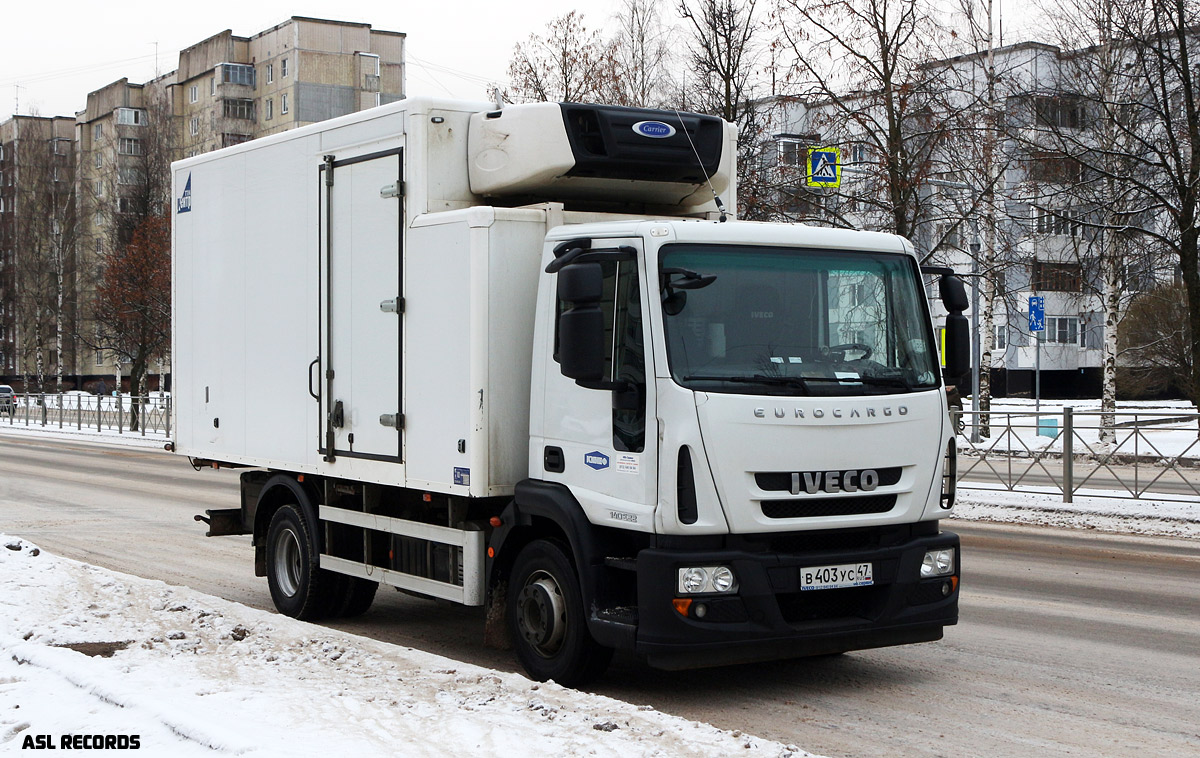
{"x": 361, "y": 306}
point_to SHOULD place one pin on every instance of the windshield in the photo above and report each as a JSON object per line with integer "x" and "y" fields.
{"x": 795, "y": 322}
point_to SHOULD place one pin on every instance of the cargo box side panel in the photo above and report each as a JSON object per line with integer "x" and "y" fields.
{"x": 279, "y": 308}
{"x": 437, "y": 391}
{"x": 516, "y": 249}
{"x": 210, "y": 349}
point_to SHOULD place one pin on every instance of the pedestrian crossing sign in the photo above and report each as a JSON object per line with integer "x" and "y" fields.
{"x": 824, "y": 168}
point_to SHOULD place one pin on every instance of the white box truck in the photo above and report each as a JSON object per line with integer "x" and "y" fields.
{"x": 514, "y": 358}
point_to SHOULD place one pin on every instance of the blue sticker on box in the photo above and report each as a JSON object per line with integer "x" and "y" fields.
{"x": 596, "y": 460}
{"x": 462, "y": 476}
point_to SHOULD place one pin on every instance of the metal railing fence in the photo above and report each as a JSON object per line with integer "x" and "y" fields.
{"x": 80, "y": 411}
{"x": 1144, "y": 454}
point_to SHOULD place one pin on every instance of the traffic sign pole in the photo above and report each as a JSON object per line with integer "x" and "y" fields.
{"x": 1037, "y": 326}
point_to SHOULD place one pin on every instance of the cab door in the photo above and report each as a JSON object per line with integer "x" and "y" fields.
{"x": 602, "y": 443}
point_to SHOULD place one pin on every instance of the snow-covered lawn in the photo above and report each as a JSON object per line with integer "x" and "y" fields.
{"x": 1017, "y": 427}
{"x": 86, "y": 651}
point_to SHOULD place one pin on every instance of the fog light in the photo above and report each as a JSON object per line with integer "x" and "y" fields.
{"x": 700, "y": 609}
{"x": 946, "y": 589}
{"x": 722, "y": 579}
{"x": 938, "y": 563}
{"x": 696, "y": 580}
{"x": 693, "y": 580}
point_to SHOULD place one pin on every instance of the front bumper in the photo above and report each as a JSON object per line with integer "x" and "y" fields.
{"x": 769, "y": 617}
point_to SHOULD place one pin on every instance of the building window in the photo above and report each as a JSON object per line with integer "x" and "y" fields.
{"x": 98, "y": 188}
{"x": 131, "y": 116}
{"x": 1001, "y": 337}
{"x": 270, "y": 109}
{"x": 237, "y": 73}
{"x": 193, "y": 93}
{"x": 129, "y": 146}
{"x": 129, "y": 176}
{"x": 283, "y": 69}
{"x": 270, "y": 72}
{"x": 1058, "y": 112}
{"x": 126, "y": 205}
{"x": 283, "y": 105}
{"x": 1056, "y": 277}
{"x": 238, "y": 109}
{"x": 212, "y": 85}
{"x": 97, "y": 131}
{"x": 1063, "y": 222}
{"x": 1061, "y": 330}
{"x": 195, "y": 126}
{"x": 228, "y": 140}
{"x": 98, "y": 159}
{"x": 791, "y": 152}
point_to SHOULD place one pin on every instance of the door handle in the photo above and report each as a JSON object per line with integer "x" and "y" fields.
{"x": 315, "y": 395}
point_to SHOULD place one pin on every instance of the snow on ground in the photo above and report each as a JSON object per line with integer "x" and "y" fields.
{"x": 1106, "y": 514}
{"x": 194, "y": 675}
{"x": 1141, "y": 430}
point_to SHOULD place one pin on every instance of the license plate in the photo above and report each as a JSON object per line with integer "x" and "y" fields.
{"x": 836, "y": 577}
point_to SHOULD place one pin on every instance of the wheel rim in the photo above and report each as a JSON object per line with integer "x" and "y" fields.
{"x": 542, "y": 614}
{"x": 287, "y": 562}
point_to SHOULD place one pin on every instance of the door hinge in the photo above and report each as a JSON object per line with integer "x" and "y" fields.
{"x": 328, "y": 170}
{"x": 392, "y": 306}
{"x": 393, "y": 420}
{"x": 395, "y": 189}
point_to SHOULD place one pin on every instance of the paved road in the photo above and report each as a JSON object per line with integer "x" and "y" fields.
{"x": 1071, "y": 643}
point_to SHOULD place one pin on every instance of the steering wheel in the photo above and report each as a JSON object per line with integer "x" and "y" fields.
{"x": 841, "y": 350}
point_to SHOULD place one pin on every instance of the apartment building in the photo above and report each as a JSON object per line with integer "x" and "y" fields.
{"x": 1043, "y": 244}
{"x": 38, "y": 229}
{"x": 226, "y": 90}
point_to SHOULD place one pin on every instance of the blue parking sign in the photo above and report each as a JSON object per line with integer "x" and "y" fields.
{"x": 1037, "y": 313}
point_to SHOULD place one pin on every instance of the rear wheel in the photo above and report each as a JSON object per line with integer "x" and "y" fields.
{"x": 358, "y": 596}
{"x": 298, "y": 587}
{"x": 546, "y": 620}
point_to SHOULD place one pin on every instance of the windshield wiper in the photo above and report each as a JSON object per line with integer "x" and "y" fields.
{"x": 797, "y": 382}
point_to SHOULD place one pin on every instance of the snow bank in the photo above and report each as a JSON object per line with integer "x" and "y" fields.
{"x": 1108, "y": 514}
{"x": 191, "y": 674}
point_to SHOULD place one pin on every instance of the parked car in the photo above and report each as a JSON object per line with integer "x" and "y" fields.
{"x": 8, "y": 400}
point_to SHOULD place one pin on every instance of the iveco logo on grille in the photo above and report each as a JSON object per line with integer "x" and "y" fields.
{"x": 655, "y": 129}
{"x": 835, "y": 481}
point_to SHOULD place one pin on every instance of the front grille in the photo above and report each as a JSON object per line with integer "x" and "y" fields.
{"x": 813, "y": 507}
{"x": 781, "y": 481}
{"x": 816, "y": 605}
{"x": 832, "y": 540}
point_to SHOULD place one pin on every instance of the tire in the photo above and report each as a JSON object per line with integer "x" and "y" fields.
{"x": 546, "y": 620}
{"x": 357, "y": 597}
{"x": 298, "y": 587}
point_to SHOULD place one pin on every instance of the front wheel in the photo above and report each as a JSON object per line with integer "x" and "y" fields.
{"x": 546, "y": 620}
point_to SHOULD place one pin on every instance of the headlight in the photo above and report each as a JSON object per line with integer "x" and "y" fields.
{"x": 698, "y": 580}
{"x": 938, "y": 563}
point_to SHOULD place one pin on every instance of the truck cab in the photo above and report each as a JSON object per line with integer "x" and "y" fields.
{"x": 732, "y": 409}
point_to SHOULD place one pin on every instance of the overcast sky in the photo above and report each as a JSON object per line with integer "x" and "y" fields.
{"x": 60, "y": 51}
{"x": 52, "y": 55}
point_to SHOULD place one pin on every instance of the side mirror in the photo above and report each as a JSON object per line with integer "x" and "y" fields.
{"x": 953, "y": 293}
{"x": 581, "y": 325}
{"x": 958, "y": 348}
